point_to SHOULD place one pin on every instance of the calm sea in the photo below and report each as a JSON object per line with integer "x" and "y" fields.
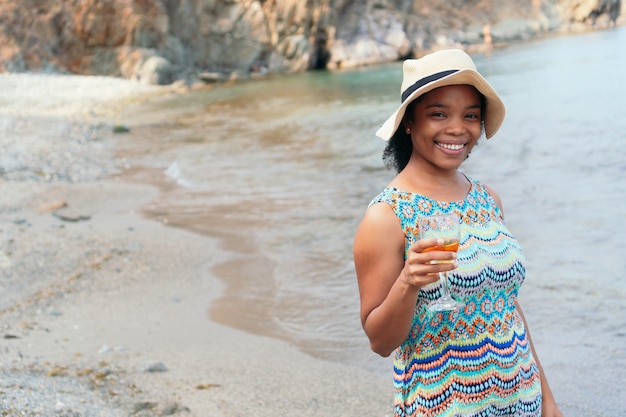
{"x": 282, "y": 169}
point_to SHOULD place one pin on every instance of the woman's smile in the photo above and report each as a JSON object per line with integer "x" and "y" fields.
{"x": 454, "y": 147}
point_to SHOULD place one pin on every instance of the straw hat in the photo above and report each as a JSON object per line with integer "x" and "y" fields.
{"x": 442, "y": 68}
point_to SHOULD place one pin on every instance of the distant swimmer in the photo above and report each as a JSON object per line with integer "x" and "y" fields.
{"x": 487, "y": 37}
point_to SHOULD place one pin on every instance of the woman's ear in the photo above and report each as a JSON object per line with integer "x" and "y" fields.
{"x": 407, "y": 120}
{"x": 407, "y": 126}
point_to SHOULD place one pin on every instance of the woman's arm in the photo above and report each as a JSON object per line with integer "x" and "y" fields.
{"x": 548, "y": 404}
{"x": 549, "y": 407}
{"x": 389, "y": 285}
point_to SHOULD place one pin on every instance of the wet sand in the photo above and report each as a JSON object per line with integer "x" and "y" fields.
{"x": 104, "y": 312}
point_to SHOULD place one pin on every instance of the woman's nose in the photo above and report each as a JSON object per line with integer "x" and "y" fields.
{"x": 456, "y": 126}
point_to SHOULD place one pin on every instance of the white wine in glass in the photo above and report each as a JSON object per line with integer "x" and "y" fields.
{"x": 446, "y": 227}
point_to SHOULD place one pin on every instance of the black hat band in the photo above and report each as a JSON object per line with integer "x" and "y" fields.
{"x": 422, "y": 82}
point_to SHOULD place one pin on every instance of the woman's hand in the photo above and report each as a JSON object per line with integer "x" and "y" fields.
{"x": 422, "y": 266}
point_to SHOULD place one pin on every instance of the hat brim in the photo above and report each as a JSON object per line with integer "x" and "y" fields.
{"x": 494, "y": 112}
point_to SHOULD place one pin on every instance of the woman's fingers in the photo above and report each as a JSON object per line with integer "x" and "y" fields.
{"x": 425, "y": 262}
{"x": 432, "y": 251}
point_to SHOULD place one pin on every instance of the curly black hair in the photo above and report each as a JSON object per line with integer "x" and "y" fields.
{"x": 398, "y": 150}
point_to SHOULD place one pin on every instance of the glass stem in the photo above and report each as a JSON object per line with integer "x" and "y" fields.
{"x": 445, "y": 292}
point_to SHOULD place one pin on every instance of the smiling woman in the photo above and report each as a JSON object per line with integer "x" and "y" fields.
{"x": 448, "y": 117}
{"x": 475, "y": 358}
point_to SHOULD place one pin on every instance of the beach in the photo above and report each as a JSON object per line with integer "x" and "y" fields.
{"x": 187, "y": 251}
{"x": 103, "y": 311}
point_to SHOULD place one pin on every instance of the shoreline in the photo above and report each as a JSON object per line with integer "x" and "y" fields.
{"x": 108, "y": 313}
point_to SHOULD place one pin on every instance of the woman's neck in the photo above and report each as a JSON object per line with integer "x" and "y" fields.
{"x": 449, "y": 185}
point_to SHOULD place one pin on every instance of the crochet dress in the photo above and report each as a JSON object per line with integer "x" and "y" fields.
{"x": 476, "y": 361}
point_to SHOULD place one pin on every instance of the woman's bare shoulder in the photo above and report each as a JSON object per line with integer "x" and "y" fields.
{"x": 379, "y": 226}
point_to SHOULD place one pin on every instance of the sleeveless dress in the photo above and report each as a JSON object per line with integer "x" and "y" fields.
{"x": 476, "y": 361}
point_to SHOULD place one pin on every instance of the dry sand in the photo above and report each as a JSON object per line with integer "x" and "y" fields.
{"x": 104, "y": 312}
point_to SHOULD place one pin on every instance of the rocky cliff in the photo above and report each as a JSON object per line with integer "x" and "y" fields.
{"x": 160, "y": 41}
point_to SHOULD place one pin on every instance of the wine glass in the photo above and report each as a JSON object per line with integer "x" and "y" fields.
{"x": 446, "y": 227}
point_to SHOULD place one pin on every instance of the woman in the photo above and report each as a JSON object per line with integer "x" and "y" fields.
{"x": 477, "y": 360}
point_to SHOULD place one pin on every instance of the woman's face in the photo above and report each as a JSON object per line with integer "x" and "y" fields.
{"x": 445, "y": 126}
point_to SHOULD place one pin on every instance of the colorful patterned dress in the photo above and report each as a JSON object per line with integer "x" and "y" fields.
{"x": 476, "y": 361}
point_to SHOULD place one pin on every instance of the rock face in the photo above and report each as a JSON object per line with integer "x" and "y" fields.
{"x": 160, "y": 41}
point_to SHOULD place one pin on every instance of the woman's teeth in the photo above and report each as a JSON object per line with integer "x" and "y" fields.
{"x": 451, "y": 147}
